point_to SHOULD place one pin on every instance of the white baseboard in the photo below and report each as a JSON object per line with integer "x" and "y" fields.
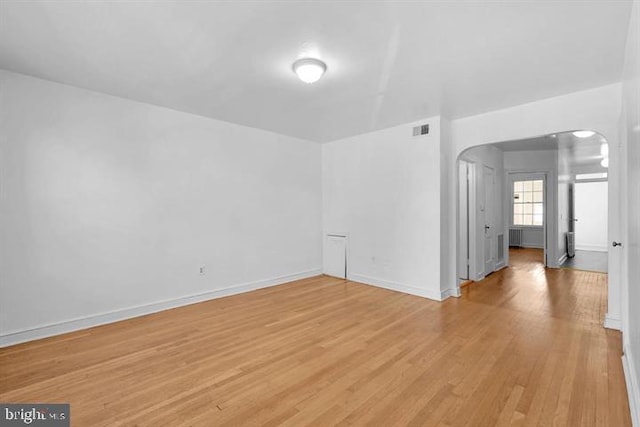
{"x": 594, "y": 248}
{"x": 482, "y": 276}
{"x": 612, "y": 323}
{"x": 562, "y": 259}
{"x": 44, "y": 331}
{"x": 451, "y": 292}
{"x": 633, "y": 391}
{"x": 407, "y": 289}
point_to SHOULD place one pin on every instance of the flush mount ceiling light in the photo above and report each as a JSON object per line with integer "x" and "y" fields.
{"x": 604, "y": 162}
{"x": 583, "y": 133}
{"x": 309, "y": 70}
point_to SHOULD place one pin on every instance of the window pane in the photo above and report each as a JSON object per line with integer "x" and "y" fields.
{"x": 537, "y": 196}
{"x": 528, "y": 202}
{"x": 528, "y": 197}
{"x": 538, "y": 208}
{"x": 517, "y": 219}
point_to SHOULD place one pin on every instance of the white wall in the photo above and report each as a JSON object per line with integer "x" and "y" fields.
{"x": 591, "y": 212}
{"x": 530, "y": 161}
{"x": 565, "y": 190}
{"x": 564, "y": 218}
{"x": 109, "y": 205}
{"x": 384, "y": 190}
{"x": 630, "y": 152}
{"x": 448, "y": 230}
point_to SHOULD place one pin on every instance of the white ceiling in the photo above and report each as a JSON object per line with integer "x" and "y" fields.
{"x": 388, "y": 63}
{"x": 580, "y": 155}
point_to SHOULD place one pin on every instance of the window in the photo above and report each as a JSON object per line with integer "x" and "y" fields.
{"x": 528, "y": 202}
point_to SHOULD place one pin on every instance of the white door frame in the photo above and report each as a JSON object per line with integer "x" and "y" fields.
{"x": 548, "y": 221}
{"x": 464, "y": 269}
{"x": 472, "y": 221}
{"x": 489, "y": 219}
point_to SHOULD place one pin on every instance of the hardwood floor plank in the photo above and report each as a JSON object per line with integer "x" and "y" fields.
{"x": 525, "y": 346}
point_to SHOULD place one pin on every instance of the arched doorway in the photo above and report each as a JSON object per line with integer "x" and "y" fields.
{"x": 520, "y": 194}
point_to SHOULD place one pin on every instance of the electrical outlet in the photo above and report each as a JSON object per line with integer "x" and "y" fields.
{"x": 202, "y": 270}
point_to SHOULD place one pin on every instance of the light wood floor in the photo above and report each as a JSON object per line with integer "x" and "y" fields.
{"x": 523, "y": 347}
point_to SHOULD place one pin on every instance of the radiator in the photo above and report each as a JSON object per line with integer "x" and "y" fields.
{"x": 515, "y": 237}
{"x": 500, "y": 247}
{"x": 571, "y": 244}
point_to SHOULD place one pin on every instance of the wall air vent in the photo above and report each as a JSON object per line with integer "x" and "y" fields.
{"x": 420, "y": 130}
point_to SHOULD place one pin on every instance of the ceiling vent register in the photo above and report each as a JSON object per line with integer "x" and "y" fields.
{"x": 420, "y": 130}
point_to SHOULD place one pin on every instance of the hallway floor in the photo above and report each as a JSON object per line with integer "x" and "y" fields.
{"x": 527, "y": 285}
{"x": 588, "y": 260}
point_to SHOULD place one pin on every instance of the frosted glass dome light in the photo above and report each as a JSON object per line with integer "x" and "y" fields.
{"x": 584, "y": 133}
{"x": 309, "y": 70}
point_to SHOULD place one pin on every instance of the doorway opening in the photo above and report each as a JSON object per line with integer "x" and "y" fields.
{"x": 527, "y": 208}
{"x": 525, "y": 198}
{"x": 588, "y": 227}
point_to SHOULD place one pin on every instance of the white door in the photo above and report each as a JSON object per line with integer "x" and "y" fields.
{"x": 590, "y": 216}
{"x": 629, "y": 235}
{"x": 335, "y": 256}
{"x": 488, "y": 213}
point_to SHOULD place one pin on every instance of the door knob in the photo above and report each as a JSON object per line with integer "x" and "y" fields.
{"x": 486, "y": 227}
{"x": 617, "y": 244}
